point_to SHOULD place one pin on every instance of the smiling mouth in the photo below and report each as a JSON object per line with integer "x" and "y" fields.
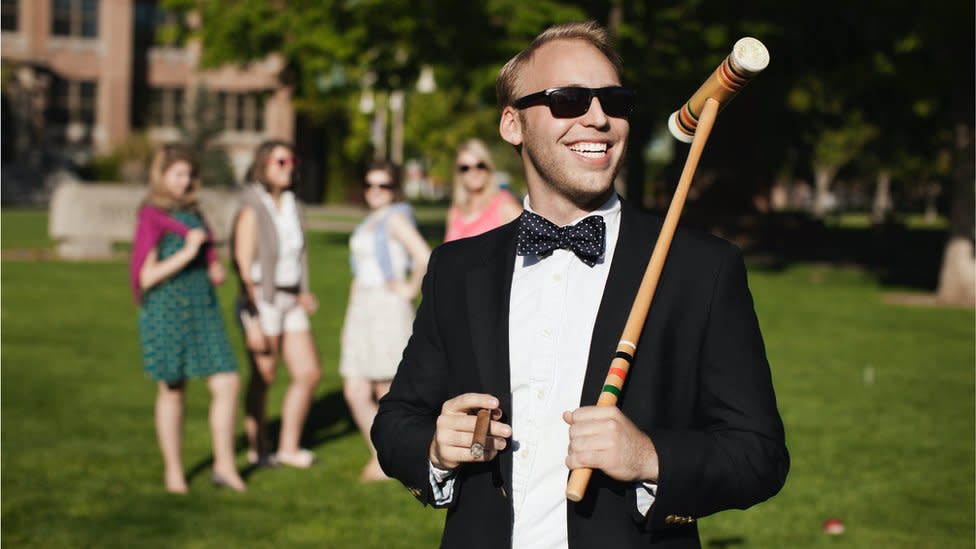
{"x": 590, "y": 150}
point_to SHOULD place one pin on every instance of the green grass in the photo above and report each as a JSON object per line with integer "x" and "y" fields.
{"x": 24, "y": 229}
{"x": 878, "y": 402}
{"x": 862, "y": 220}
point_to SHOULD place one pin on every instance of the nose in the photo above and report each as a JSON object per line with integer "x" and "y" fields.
{"x": 595, "y": 116}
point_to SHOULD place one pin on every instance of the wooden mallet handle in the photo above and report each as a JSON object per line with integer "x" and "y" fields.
{"x": 627, "y": 347}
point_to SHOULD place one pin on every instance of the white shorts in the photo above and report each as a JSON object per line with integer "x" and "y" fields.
{"x": 283, "y": 314}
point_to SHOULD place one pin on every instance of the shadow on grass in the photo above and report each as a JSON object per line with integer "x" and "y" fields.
{"x": 725, "y": 543}
{"x": 897, "y": 255}
{"x": 328, "y": 419}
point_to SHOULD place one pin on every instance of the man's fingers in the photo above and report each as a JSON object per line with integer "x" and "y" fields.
{"x": 591, "y": 460}
{"x": 499, "y": 429}
{"x": 595, "y": 427}
{"x": 468, "y": 402}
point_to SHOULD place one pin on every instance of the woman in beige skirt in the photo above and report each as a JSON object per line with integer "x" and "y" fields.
{"x": 389, "y": 258}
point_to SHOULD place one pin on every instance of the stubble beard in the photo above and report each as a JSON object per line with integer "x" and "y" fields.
{"x": 585, "y": 190}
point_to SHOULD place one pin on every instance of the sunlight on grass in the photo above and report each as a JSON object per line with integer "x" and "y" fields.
{"x": 877, "y": 400}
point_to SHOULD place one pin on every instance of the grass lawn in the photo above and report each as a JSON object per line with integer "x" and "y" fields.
{"x": 878, "y": 402}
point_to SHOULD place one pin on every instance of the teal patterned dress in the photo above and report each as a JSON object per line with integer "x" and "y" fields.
{"x": 180, "y": 323}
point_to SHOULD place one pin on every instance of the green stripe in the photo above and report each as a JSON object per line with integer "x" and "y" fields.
{"x": 611, "y": 389}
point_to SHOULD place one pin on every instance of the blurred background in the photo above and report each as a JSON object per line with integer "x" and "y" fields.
{"x": 845, "y": 171}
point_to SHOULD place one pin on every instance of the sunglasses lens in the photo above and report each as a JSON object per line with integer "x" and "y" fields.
{"x": 569, "y": 102}
{"x": 464, "y": 168}
{"x": 617, "y": 102}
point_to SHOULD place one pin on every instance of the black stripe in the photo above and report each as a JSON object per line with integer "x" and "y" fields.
{"x": 625, "y": 355}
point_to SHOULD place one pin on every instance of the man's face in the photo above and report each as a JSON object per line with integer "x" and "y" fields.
{"x": 570, "y": 163}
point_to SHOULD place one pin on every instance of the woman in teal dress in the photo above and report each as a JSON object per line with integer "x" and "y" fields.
{"x": 174, "y": 270}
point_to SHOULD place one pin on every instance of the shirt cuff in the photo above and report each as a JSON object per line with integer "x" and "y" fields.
{"x": 442, "y": 484}
{"x": 646, "y": 494}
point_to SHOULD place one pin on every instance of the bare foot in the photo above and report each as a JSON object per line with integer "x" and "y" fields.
{"x": 228, "y": 479}
{"x": 262, "y": 460}
{"x": 372, "y": 472}
{"x": 302, "y": 459}
{"x": 175, "y": 483}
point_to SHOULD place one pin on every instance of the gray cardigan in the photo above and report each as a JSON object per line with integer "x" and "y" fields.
{"x": 267, "y": 244}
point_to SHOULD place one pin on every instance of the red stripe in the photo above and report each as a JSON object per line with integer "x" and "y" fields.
{"x": 619, "y": 372}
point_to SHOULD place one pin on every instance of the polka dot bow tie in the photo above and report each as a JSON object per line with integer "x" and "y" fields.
{"x": 539, "y": 236}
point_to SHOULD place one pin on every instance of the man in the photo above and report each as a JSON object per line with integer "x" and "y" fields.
{"x": 527, "y": 331}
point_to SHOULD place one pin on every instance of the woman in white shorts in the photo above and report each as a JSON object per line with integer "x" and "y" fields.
{"x": 271, "y": 260}
{"x": 389, "y": 258}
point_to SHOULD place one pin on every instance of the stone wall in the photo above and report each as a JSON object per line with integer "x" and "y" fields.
{"x": 86, "y": 219}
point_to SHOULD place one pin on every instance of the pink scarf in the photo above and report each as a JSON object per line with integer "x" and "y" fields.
{"x": 151, "y": 225}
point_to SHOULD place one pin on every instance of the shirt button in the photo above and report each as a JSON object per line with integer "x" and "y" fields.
{"x": 547, "y": 332}
{"x": 557, "y": 278}
{"x": 540, "y": 394}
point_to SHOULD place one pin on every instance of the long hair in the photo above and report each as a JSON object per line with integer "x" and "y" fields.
{"x": 165, "y": 157}
{"x": 258, "y": 172}
{"x": 478, "y": 149}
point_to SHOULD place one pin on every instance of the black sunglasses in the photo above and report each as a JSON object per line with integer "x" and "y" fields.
{"x": 463, "y": 168}
{"x": 384, "y": 186}
{"x": 572, "y": 101}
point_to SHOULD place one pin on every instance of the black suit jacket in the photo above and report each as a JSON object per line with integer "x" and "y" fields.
{"x": 700, "y": 387}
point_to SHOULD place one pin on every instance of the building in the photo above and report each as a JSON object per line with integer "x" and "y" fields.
{"x": 82, "y": 76}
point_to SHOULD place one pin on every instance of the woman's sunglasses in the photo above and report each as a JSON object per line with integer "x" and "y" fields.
{"x": 384, "y": 186}
{"x": 463, "y": 168}
{"x": 572, "y": 101}
{"x": 284, "y": 162}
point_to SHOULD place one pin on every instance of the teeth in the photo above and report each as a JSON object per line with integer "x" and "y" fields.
{"x": 589, "y": 149}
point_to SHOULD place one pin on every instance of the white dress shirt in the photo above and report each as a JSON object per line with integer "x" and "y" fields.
{"x": 553, "y": 309}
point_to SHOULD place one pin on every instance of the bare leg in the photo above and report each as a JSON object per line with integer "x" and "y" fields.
{"x": 359, "y": 397}
{"x": 223, "y": 405}
{"x": 263, "y": 365}
{"x": 362, "y": 396}
{"x": 303, "y": 366}
{"x": 169, "y": 432}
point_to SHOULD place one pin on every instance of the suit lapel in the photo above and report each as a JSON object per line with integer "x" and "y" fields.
{"x": 489, "y": 288}
{"x": 634, "y": 245}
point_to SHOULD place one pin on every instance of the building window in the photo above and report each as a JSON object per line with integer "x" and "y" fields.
{"x": 8, "y": 15}
{"x": 167, "y": 107}
{"x": 74, "y": 18}
{"x": 243, "y": 112}
{"x": 73, "y": 102}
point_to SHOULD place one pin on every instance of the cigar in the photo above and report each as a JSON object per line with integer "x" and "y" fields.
{"x": 480, "y": 442}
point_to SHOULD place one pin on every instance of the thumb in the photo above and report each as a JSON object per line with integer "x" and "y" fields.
{"x": 568, "y": 417}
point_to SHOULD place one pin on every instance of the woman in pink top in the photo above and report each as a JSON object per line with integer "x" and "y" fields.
{"x": 478, "y": 204}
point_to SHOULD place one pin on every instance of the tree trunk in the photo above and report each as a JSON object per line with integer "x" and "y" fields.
{"x": 957, "y": 279}
{"x": 931, "y": 196}
{"x": 882, "y": 198}
{"x": 823, "y": 175}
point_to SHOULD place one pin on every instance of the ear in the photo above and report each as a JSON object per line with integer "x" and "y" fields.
{"x": 510, "y": 126}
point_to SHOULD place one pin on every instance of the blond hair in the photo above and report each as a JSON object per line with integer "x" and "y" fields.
{"x": 590, "y": 32}
{"x": 163, "y": 160}
{"x": 477, "y": 148}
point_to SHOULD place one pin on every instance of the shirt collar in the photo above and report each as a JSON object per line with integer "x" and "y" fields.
{"x": 609, "y": 210}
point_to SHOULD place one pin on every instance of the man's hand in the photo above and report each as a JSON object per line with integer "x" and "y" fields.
{"x": 602, "y": 437}
{"x": 451, "y": 445}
